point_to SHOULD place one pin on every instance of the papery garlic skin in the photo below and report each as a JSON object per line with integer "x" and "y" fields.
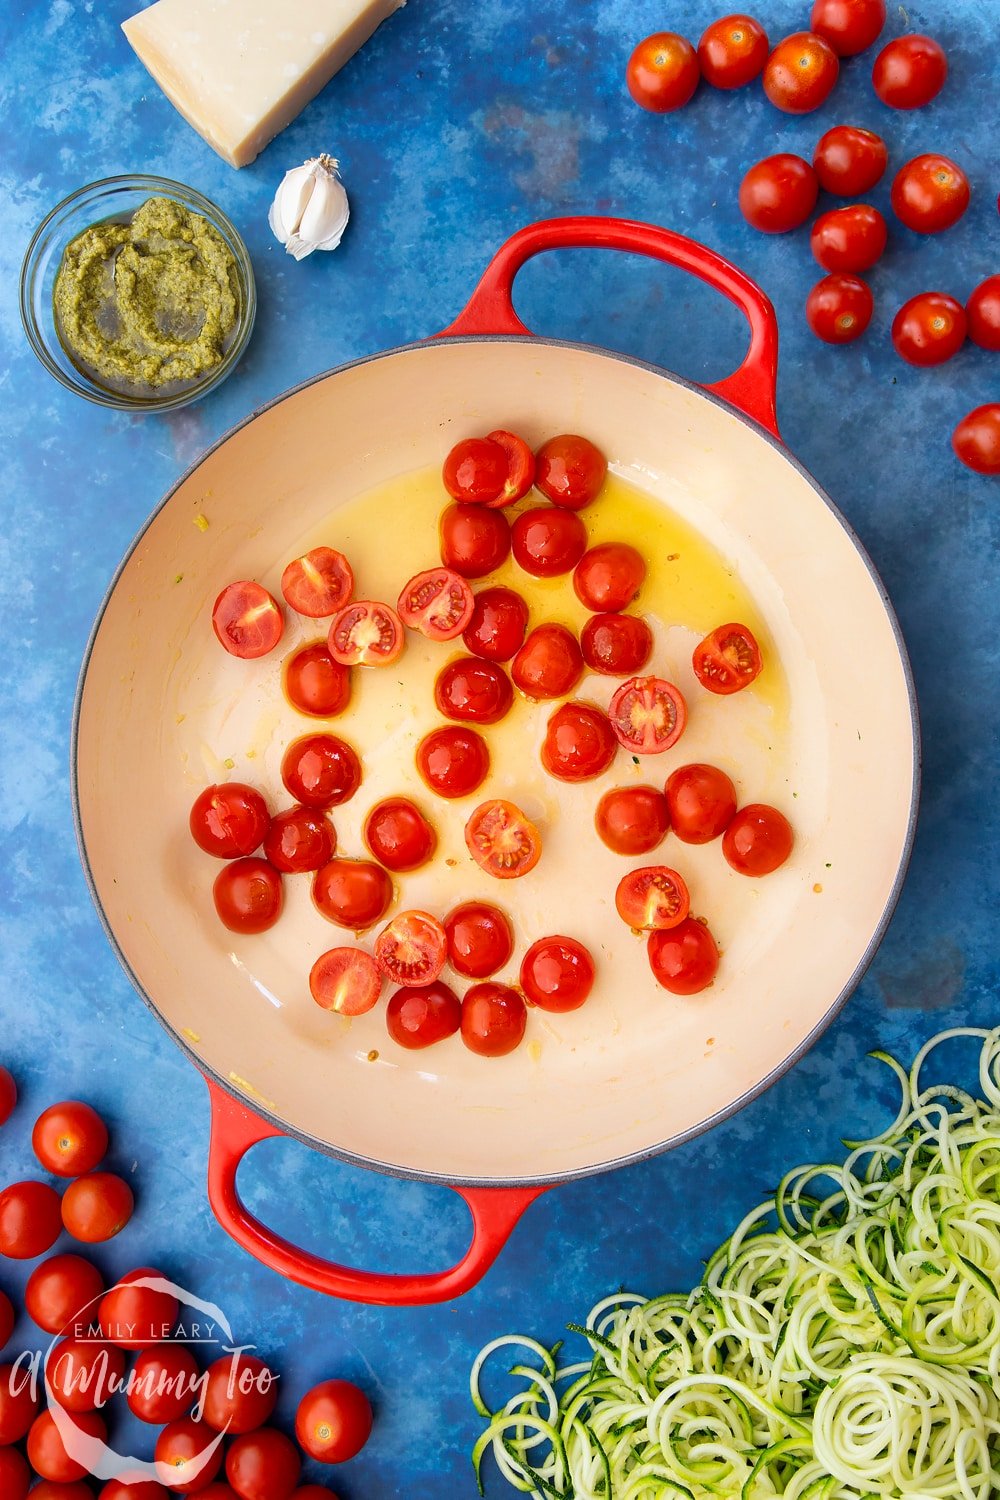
{"x": 310, "y": 209}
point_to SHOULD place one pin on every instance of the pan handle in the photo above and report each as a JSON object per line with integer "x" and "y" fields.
{"x": 490, "y": 309}
{"x": 235, "y": 1128}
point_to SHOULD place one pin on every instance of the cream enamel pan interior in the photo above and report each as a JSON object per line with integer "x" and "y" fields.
{"x": 635, "y": 1070}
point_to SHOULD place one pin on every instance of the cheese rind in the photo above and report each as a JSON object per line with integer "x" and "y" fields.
{"x": 239, "y": 71}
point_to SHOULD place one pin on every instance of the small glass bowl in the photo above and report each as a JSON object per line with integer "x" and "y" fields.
{"x": 118, "y": 198}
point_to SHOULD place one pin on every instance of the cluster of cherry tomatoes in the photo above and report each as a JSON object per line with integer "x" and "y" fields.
{"x": 96, "y": 1328}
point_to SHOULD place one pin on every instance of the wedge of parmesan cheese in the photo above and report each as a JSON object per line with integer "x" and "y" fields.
{"x": 239, "y": 71}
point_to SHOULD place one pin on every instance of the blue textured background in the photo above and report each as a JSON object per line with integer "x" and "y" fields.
{"x": 456, "y": 124}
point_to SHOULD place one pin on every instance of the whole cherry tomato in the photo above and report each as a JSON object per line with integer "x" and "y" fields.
{"x": 240, "y": 1394}
{"x": 248, "y": 895}
{"x": 141, "y": 1489}
{"x": 229, "y": 820}
{"x": 701, "y": 801}
{"x": 648, "y": 715}
{"x": 411, "y": 949}
{"x": 333, "y": 1421}
{"x": 8, "y": 1318}
{"x": 501, "y": 840}
{"x": 929, "y": 329}
{"x": 728, "y": 659}
{"x": 320, "y": 770}
{"x": 549, "y": 664}
{"x": 850, "y": 160}
{"x": 759, "y": 839}
{"x": 354, "y": 893}
{"x": 345, "y": 980}
{"x": 976, "y": 439}
{"x": 63, "y": 1293}
{"x": 662, "y": 72}
{"x": 909, "y": 72}
{"x": 47, "y": 1453}
{"x": 779, "y": 193}
{"x": 139, "y": 1310}
{"x": 494, "y": 1018}
{"x": 15, "y": 1478}
{"x": 96, "y": 1207}
{"x": 632, "y": 819}
{"x": 8, "y": 1095}
{"x": 319, "y": 583}
{"x": 732, "y": 51}
{"x": 438, "y": 603}
{"x": 30, "y": 1221}
{"x": 366, "y": 633}
{"x": 398, "y": 834}
{"x": 557, "y": 973}
{"x": 849, "y": 239}
{"x": 983, "y": 314}
{"x": 247, "y": 621}
{"x": 19, "y": 1403}
{"x": 164, "y": 1384}
{"x": 579, "y": 742}
{"x": 570, "y": 470}
{"x": 191, "y": 1452}
{"x": 497, "y": 626}
{"x": 848, "y": 25}
{"x": 480, "y": 939}
{"x": 453, "y": 760}
{"x": 548, "y": 541}
{"x": 299, "y": 839}
{"x": 800, "y": 73}
{"x": 83, "y": 1374}
{"x": 609, "y": 576}
{"x": 417, "y": 1017}
{"x": 69, "y": 1138}
{"x": 474, "y": 539}
{"x": 315, "y": 684}
{"x": 616, "y": 645}
{"x": 684, "y": 960}
{"x": 930, "y": 193}
{"x": 263, "y": 1465}
{"x": 839, "y": 308}
{"x": 654, "y": 897}
{"x": 475, "y": 471}
{"x": 473, "y": 691}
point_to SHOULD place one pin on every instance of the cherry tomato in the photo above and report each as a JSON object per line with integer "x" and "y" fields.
{"x": 557, "y": 973}
{"x": 474, "y": 539}
{"x": 247, "y": 621}
{"x": 315, "y": 684}
{"x": 345, "y": 980}
{"x": 848, "y": 25}
{"x": 30, "y": 1220}
{"x": 982, "y": 312}
{"x": 609, "y": 576}
{"x": 549, "y": 664}
{"x": 930, "y": 193}
{"x": 473, "y": 691}
{"x": 493, "y": 1019}
{"x": 321, "y": 770}
{"x": 759, "y": 839}
{"x": 648, "y": 715}
{"x": 728, "y": 659}
{"x": 849, "y": 239}
{"x": 570, "y": 470}
{"x": 778, "y": 193}
{"x": 684, "y": 960}
{"x": 733, "y": 51}
{"x": 800, "y": 73}
{"x": 411, "y": 949}
{"x": 654, "y": 897}
{"x": 82, "y": 1374}
{"x": 96, "y": 1207}
{"x": 141, "y": 1489}
{"x": 62, "y": 1293}
{"x": 8, "y": 1095}
{"x": 164, "y": 1384}
{"x": 475, "y": 471}
{"x": 548, "y": 541}
{"x": 420, "y": 1016}
{"x": 139, "y": 1310}
{"x": 299, "y": 839}
{"x": 8, "y": 1318}
{"x": 909, "y": 72}
{"x": 502, "y": 840}
{"x": 354, "y": 893}
{"x": 333, "y": 1421}
{"x": 304, "y": 1492}
{"x": 850, "y": 160}
{"x": 520, "y": 467}
{"x": 438, "y": 603}
{"x": 662, "y": 72}
{"x": 319, "y": 583}
{"x": 69, "y": 1138}
{"x": 480, "y": 939}
{"x": 263, "y": 1465}
{"x": 632, "y": 819}
{"x": 191, "y": 1453}
{"x": 366, "y": 633}
{"x": 453, "y": 761}
{"x": 839, "y": 308}
{"x": 46, "y": 1451}
{"x": 15, "y": 1478}
{"x": 248, "y": 895}
{"x": 497, "y": 625}
{"x": 616, "y": 645}
{"x": 229, "y": 820}
{"x": 976, "y": 439}
{"x": 18, "y": 1403}
{"x": 701, "y": 801}
{"x": 929, "y": 329}
{"x": 579, "y": 743}
{"x": 399, "y": 835}
{"x": 241, "y": 1392}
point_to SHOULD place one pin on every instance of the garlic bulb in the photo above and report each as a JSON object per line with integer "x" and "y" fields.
{"x": 310, "y": 209}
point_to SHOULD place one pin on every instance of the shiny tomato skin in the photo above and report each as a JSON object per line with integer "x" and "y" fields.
{"x": 315, "y": 684}
{"x": 648, "y": 715}
{"x": 549, "y": 664}
{"x": 480, "y": 939}
{"x": 848, "y": 25}
{"x": 454, "y": 761}
{"x": 164, "y": 1384}
{"x": 976, "y": 439}
{"x": 758, "y": 840}
{"x": 501, "y": 840}
{"x": 83, "y": 1374}
{"x": 241, "y": 1392}
{"x": 247, "y": 620}
{"x": 557, "y": 974}
{"x": 701, "y": 802}
{"x": 437, "y": 602}
{"x": 248, "y": 895}
{"x": 8, "y": 1318}
{"x": 473, "y": 691}
{"x": 579, "y": 743}
{"x": 180, "y": 1446}
{"x": 929, "y": 329}
{"x": 142, "y": 1489}
{"x": 411, "y": 949}
{"x": 345, "y": 980}
{"x": 609, "y": 576}
{"x": 229, "y": 820}
{"x": 8, "y": 1095}
{"x": 298, "y": 840}
{"x": 548, "y": 541}
{"x": 652, "y": 898}
{"x": 909, "y": 72}
{"x": 318, "y": 583}
{"x": 732, "y": 51}
{"x": 366, "y": 633}
{"x": 663, "y": 72}
{"x": 63, "y": 1294}
{"x": 850, "y": 160}
{"x": 778, "y": 193}
{"x": 15, "y": 1479}
{"x": 728, "y": 659}
{"x": 800, "y": 73}
{"x": 96, "y": 1207}
{"x": 616, "y": 645}
{"x": 497, "y": 625}
{"x": 353, "y": 893}
{"x": 30, "y": 1221}
{"x": 475, "y": 471}
{"x": 494, "y": 1018}
{"x": 982, "y": 313}
{"x": 632, "y": 819}
{"x": 263, "y": 1465}
{"x": 849, "y": 239}
{"x": 570, "y": 470}
{"x": 685, "y": 959}
{"x": 46, "y": 1452}
{"x": 333, "y": 1421}
{"x": 134, "y": 1315}
{"x": 474, "y": 539}
{"x": 520, "y": 467}
{"x": 69, "y": 1138}
{"x": 839, "y": 308}
{"x": 398, "y": 835}
{"x": 930, "y": 193}
{"x": 418, "y": 1016}
{"x": 19, "y": 1403}
{"x": 321, "y": 770}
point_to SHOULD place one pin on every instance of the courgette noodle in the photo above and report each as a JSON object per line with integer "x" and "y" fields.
{"x": 844, "y": 1342}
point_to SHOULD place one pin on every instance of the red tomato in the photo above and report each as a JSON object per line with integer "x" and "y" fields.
{"x": 139, "y": 1310}
{"x": 82, "y": 1374}
{"x": 849, "y": 239}
{"x": 366, "y": 633}
{"x": 493, "y": 1019}
{"x": 778, "y": 193}
{"x": 8, "y": 1095}
{"x": 299, "y": 839}
{"x": 557, "y": 973}
{"x": 473, "y": 691}
{"x": 548, "y": 541}
{"x": 684, "y": 960}
{"x": 263, "y": 1465}
{"x": 648, "y": 715}
{"x": 97, "y": 1207}
{"x": 453, "y": 761}
{"x": 732, "y": 51}
{"x": 345, "y": 980}
{"x": 616, "y": 645}
{"x": 930, "y": 193}
{"x": 411, "y": 949}
{"x": 354, "y": 893}
{"x": 315, "y": 684}
{"x": 570, "y": 470}
{"x": 142, "y": 1489}
{"x": 333, "y": 1421}
{"x": 909, "y": 72}
{"x": 399, "y": 835}
{"x": 850, "y": 160}
{"x": 983, "y": 314}
{"x": 632, "y": 819}
{"x": 30, "y": 1220}
{"x": 728, "y": 659}
{"x": 420, "y": 1016}
{"x": 191, "y": 1454}
{"x": 241, "y": 1392}
{"x": 662, "y": 73}
{"x": 222, "y": 1491}
{"x": 319, "y": 583}
{"x": 480, "y": 939}
{"x": 69, "y": 1138}
{"x": 839, "y": 308}
{"x": 164, "y": 1384}
{"x": 701, "y": 801}
{"x": 8, "y": 1318}
{"x": 800, "y": 73}
{"x": 475, "y": 471}
{"x": 976, "y": 439}
{"x": 502, "y": 840}
{"x": 549, "y": 664}
{"x": 759, "y": 839}
{"x": 848, "y": 25}
{"x": 579, "y": 743}
{"x": 18, "y": 1403}
{"x": 63, "y": 1293}
{"x": 47, "y": 1453}
{"x": 438, "y": 603}
{"x": 321, "y": 770}
{"x": 247, "y": 621}
{"x": 497, "y": 625}
{"x": 15, "y": 1477}
{"x": 474, "y": 539}
{"x": 304, "y": 1492}
{"x": 654, "y": 897}
{"x": 248, "y": 895}
{"x": 520, "y": 466}
{"x": 929, "y": 329}
{"x": 608, "y": 577}
{"x": 229, "y": 820}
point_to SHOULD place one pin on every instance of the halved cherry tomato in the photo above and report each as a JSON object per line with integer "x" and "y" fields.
{"x": 570, "y": 470}
{"x": 850, "y": 160}
{"x": 632, "y": 819}
{"x": 473, "y": 691}
{"x": 480, "y": 939}
{"x": 399, "y": 835}
{"x": 800, "y": 73}
{"x": 502, "y": 840}
{"x": 654, "y": 897}
{"x": 728, "y": 659}
{"x": 411, "y": 949}
{"x": 475, "y": 471}
{"x": 246, "y": 619}
{"x": 494, "y": 1018}
{"x": 701, "y": 801}
{"x": 929, "y": 329}
{"x": 497, "y": 624}
{"x": 419, "y": 1016}
{"x": 549, "y": 664}
{"x": 30, "y": 1221}
{"x": 83, "y": 1374}
{"x": 263, "y": 1465}
{"x": 732, "y": 51}
{"x": 345, "y": 980}
{"x": 19, "y": 1402}
{"x": 983, "y": 314}
{"x": 976, "y": 439}
{"x": 47, "y": 1452}
{"x": 366, "y": 633}
{"x": 909, "y": 72}
{"x": 241, "y": 1392}
{"x": 63, "y": 1293}
{"x": 438, "y": 603}
{"x": 579, "y": 743}
{"x": 608, "y": 577}
{"x": 453, "y": 761}
{"x": 684, "y": 960}
{"x": 248, "y": 895}
{"x": 15, "y": 1480}
{"x": 662, "y": 74}
{"x": 648, "y": 715}
{"x": 299, "y": 839}
{"x": 557, "y": 973}
{"x": 778, "y": 193}
{"x": 616, "y": 645}
{"x": 848, "y": 25}
{"x": 192, "y": 1454}
{"x": 758, "y": 839}
{"x": 474, "y": 539}
{"x": 318, "y": 583}
{"x": 96, "y": 1207}
{"x": 320, "y": 770}
{"x": 164, "y": 1384}
{"x": 839, "y": 308}
{"x": 354, "y": 893}
{"x": 69, "y": 1138}
{"x": 8, "y": 1092}
{"x": 849, "y": 239}
{"x": 229, "y": 820}
{"x": 315, "y": 683}
{"x": 930, "y": 193}
{"x": 548, "y": 541}
{"x": 520, "y": 466}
